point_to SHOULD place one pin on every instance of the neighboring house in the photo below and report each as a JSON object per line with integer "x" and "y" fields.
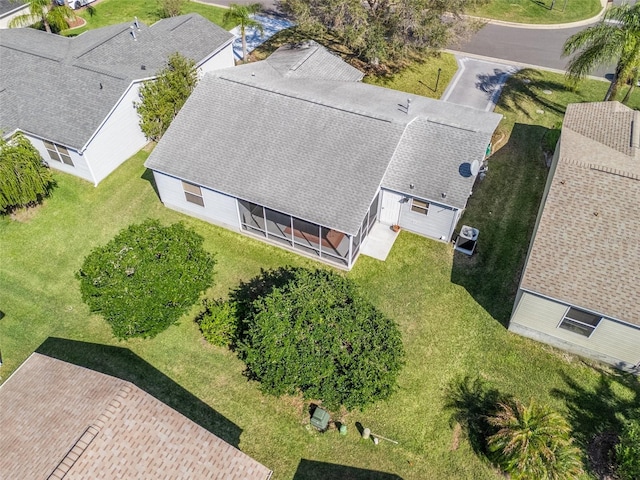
{"x": 295, "y": 150}
{"x": 73, "y": 97}
{"x": 10, "y": 9}
{"x": 60, "y": 420}
{"x": 580, "y": 290}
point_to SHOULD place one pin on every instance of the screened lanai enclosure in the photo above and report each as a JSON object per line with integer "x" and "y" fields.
{"x": 333, "y": 246}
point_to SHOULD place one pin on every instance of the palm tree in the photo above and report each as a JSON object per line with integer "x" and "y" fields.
{"x": 533, "y": 442}
{"x": 242, "y": 15}
{"x": 617, "y": 36}
{"x": 50, "y": 12}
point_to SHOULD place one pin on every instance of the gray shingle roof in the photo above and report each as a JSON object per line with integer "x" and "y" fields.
{"x": 62, "y": 419}
{"x": 310, "y": 60}
{"x": 8, "y": 6}
{"x": 586, "y": 250}
{"x": 314, "y": 148}
{"x": 52, "y": 84}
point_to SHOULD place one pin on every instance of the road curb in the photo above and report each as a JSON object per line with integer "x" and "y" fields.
{"x": 518, "y": 65}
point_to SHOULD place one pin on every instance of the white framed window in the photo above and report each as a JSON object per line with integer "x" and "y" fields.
{"x": 419, "y": 206}
{"x": 58, "y": 153}
{"x": 580, "y": 322}
{"x": 193, "y": 193}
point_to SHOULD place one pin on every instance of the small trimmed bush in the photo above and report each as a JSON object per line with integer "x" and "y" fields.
{"x": 144, "y": 279}
{"x": 217, "y": 322}
{"x": 628, "y": 451}
{"x": 311, "y": 331}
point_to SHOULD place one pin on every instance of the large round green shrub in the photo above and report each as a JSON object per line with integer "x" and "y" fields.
{"x": 311, "y": 331}
{"x": 144, "y": 279}
{"x": 628, "y": 451}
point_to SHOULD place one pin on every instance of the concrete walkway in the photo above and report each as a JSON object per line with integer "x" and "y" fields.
{"x": 379, "y": 242}
{"x": 477, "y": 83}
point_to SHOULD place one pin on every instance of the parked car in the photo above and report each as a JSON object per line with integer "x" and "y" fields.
{"x": 76, "y": 4}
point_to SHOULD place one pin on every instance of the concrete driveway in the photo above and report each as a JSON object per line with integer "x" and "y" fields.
{"x": 477, "y": 83}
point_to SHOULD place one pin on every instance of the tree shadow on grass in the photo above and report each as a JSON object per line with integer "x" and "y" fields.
{"x": 526, "y": 86}
{"x": 471, "y": 401}
{"x": 313, "y": 470}
{"x": 148, "y": 176}
{"x": 601, "y": 408}
{"x": 126, "y": 365}
{"x": 503, "y": 207}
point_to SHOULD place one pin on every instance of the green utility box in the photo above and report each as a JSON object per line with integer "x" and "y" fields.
{"x": 320, "y": 419}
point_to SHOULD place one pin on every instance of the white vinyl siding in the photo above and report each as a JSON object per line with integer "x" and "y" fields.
{"x": 218, "y": 208}
{"x": 79, "y": 167}
{"x": 610, "y": 338}
{"x": 222, "y": 59}
{"x": 118, "y": 138}
{"x": 435, "y": 223}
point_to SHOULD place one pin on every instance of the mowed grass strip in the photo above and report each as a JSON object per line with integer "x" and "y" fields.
{"x": 112, "y": 12}
{"x": 451, "y": 310}
{"x": 538, "y": 11}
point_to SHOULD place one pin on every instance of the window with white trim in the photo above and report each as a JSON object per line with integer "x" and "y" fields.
{"x": 580, "y": 322}
{"x": 419, "y": 206}
{"x": 193, "y": 193}
{"x": 58, "y": 153}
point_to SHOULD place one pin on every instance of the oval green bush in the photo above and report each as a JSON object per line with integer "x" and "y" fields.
{"x": 311, "y": 331}
{"x": 144, "y": 279}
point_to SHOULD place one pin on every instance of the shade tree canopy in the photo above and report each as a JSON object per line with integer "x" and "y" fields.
{"x": 383, "y": 30}
{"x": 312, "y": 332}
{"x": 144, "y": 279}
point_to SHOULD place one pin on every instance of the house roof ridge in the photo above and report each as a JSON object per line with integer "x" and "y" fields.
{"x": 101, "y": 71}
{"x": 449, "y": 124}
{"x": 90, "y": 433}
{"x": 89, "y": 48}
{"x": 33, "y": 52}
{"x": 614, "y": 171}
{"x": 315, "y": 101}
{"x": 188, "y": 17}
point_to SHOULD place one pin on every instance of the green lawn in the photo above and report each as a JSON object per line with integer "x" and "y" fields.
{"x": 451, "y": 311}
{"x": 421, "y": 78}
{"x": 111, "y": 12}
{"x": 538, "y": 11}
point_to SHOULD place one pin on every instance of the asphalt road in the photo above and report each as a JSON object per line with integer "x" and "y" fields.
{"x": 522, "y": 45}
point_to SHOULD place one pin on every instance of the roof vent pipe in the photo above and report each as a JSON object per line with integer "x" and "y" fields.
{"x": 133, "y": 33}
{"x": 136, "y": 23}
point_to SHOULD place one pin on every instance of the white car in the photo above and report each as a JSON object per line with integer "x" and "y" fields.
{"x": 76, "y": 4}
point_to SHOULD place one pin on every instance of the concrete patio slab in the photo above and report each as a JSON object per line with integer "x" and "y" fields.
{"x": 379, "y": 242}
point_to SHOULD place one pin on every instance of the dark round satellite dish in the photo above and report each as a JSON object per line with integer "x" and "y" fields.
{"x": 475, "y": 167}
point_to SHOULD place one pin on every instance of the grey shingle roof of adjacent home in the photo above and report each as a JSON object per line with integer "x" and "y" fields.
{"x": 63, "y": 88}
{"x": 61, "y": 420}
{"x": 315, "y": 148}
{"x": 8, "y": 6}
{"x": 585, "y": 251}
{"x": 310, "y": 60}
